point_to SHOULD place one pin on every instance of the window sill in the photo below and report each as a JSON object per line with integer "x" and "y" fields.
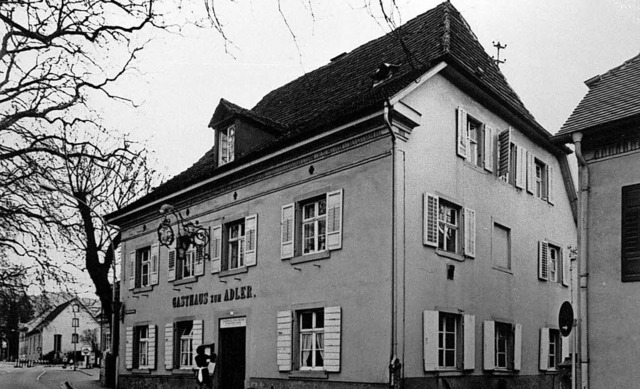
{"x": 505, "y": 372}
{"x": 183, "y": 371}
{"x": 141, "y": 371}
{"x": 233, "y": 272}
{"x": 309, "y": 375}
{"x": 443, "y": 372}
{"x": 446, "y": 254}
{"x": 502, "y": 269}
{"x": 310, "y": 257}
{"x": 187, "y": 280}
{"x": 143, "y": 289}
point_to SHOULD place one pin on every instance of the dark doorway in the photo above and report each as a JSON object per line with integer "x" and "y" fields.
{"x": 232, "y": 357}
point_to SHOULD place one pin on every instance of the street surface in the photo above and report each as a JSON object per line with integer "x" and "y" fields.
{"x": 46, "y": 377}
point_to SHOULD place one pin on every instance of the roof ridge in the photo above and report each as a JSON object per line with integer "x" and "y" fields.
{"x": 591, "y": 82}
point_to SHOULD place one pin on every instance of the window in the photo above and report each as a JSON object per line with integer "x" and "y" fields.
{"x": 317, "y": 339}
{"x": 234, "y": 245}
{"x": 311, "y": 339}
{"x": 553, "y": 266}
{"x": 474, "y": 134}
{"x": 502, "y": 346}
{"x": 187, "y": 264}
{"x": 501, "y": 246}
{"x": 143, "y": 266}
{"x": 449, "y": 227}
{"x": 630, "y": 237}
{"x": 540, "y": 190}
{"x": 142, "y": 343}
{"x": 475, "y": 141}
{"x": 184, "y": 332}
{"x": 227, "y": 145}
{"x": 550, "y": 349}
{"x": 554, "y": 258}
{"x": 312, "y": 226}
{"x": 186, "y": 261}
{"x": 57, "y": 343}
{"x": 140, "y": 347}
{"x": 449, "y": 341}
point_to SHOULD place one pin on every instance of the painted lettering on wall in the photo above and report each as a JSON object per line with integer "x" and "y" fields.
{"x": 239, "y": 293}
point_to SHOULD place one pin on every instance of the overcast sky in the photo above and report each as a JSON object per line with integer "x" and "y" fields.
{"x": 553, "y": 46}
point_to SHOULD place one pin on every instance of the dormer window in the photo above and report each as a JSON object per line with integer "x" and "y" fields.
{"x": 227, "y": 145}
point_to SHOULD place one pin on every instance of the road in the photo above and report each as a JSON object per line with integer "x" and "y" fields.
{"x": 43, "y": 377}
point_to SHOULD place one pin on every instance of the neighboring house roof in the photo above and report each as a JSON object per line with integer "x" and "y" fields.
{"x": 344, "y": 89}
{"x": 51, "y": 314}
{"x": 612, "y": 96}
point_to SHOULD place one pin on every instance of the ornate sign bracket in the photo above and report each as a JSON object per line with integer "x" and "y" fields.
{"x": 189, "y": 233}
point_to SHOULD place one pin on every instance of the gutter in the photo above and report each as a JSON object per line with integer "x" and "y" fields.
{"x": 583, "y": 273}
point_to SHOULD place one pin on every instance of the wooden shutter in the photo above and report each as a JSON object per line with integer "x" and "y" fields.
{"x": 128, "y": 348}
{"x": 544, "y": 349}
{"x": 543, "y": 260}
{"x": 489, "y": 345}
{"x": 462, "y": 138}
{"x": 334, "y": 220}
{"x": 251, "y": 236}
{"x": 151, "y": 359}
{"x": 132, "y": 270}
{"x": 155, "y": 260}
{"x": 430, "y": 219}
{"x": 550, "y": 189}
{"x": 630, "y": 236}
{"x": 489, "y": 151}
{"x": 171, "y": 262}
{"x": 197, "y": 334}
{"x": 198, "y": 268}
{"x": 168, "y": 346}
{"x": 566, "y": 268}
{"x": 216, "y": 248}
{"x": 470, "y": 232}
{"x": 430, "y": 320}
{"x": 332, "y": 338}
{"x": 521, "y": 167}
{"x": 286, "y": 231}
{"x": 517, "y": 347}
{"x": 284, "y": 340}
{"x": 504, "y": 154}
{"x": 531, "y": 173}
{"x": 469, "y": 339}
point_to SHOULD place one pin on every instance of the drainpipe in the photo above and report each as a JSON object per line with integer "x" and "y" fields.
{"x": 393, "y": 360}
{"x": 583, "y": 273}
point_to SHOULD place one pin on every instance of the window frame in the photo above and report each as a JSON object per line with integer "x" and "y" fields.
{"x": 458, "y": 341}
{"x": 234, "y": 243}
{"x": 629, "y": 232}
{"x": 226, "y": 148}
{"x": 314, "y": 331}
{"x": 554, "y": 257}
{"x": 506, "y": 331}
{"x": 315, "y": 221}
{"x": 494, "y": 238}
{"x": 445, "y": 226}
{"x": 555, "y": 349}
{"x": 476, "y": 146}
{"x": 183, "y": 338}
{"x": 141, "y": 347}
{"x": 143, "y": 261}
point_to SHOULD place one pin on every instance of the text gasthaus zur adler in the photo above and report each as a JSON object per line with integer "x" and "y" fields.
{"x": 188, "y": 300}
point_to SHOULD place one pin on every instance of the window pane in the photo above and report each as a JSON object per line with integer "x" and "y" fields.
{"x": 450, "y": 358}
{"x": 319, "y": 320}
{"x": 322, "y": 207}
{"x": 306, "y": 320}
{"x": 308, "y": 211}
{"x": 500, "y": 249}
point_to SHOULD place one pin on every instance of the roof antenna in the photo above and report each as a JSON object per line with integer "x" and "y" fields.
{"x": 498, "y": 46}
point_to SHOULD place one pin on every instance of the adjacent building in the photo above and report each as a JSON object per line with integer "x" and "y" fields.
{"x": 55, "y": 332}
{"x": 604, "y": 128}
{"x": 395, "y": 216}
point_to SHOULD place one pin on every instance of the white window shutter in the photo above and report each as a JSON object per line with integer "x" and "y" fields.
{"x": 128, "y": 348}
{"x": 489, "y": 151}
{"x": 332, "y": 338}
{"x": 151, "y": 360}
{"x": 550, "y": 197}
{"x": 430, "y": 320}
{"x": 334, "y": 220}
{"x": 168, "y": 346}
{"x": 284, "y": 340}
{"x": 517, "y": 347}
{"x": 132, "y": 269}
{"x": 171, "y": 262}
{"x": 470, "y": 232}
{"x": 430, "y": 219}
{"x": 520, "y": 167}
{"x": 469, "y": 339}
{"x": 543, "y": 260}
{"x": 544, "y": 349}
{"x": 197, "y": 337}
{"x": 531, "y": 173}
{"x": 286, "y": 231}
{"x": 462, "y": 138}
{"x": 251, "y": 235}
{"x": 504, "y": 154}
{"x": 155, "y": 260}
{"x": 216, "y": 249}
{"x": 489, "y": 345}
{"x": 198, "y": 267}
{"x": 566, "y": 268}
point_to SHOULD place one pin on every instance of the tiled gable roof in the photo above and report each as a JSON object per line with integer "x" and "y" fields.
{"x": 236, "y": 110}
{"x": 344, "y": 88}
{"x": 612, "y": 96}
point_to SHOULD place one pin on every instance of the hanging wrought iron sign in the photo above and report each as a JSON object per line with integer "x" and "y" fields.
{"x": 191, "y": 234}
